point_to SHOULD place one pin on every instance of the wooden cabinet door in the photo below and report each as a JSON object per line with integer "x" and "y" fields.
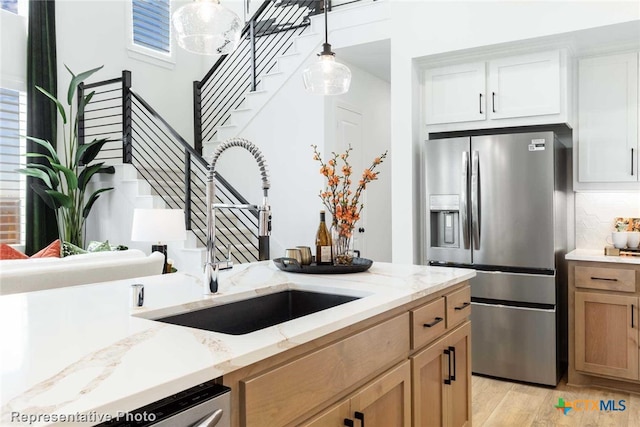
{"x": 525, "y": 85}
{"x": 332, "y": 417}
{"x": 455, "y": 94}
{"x": 385, "y": 402}
{"x": 606, "y": 334}
{"x": 428, "y": 371}
{"x": 458, "y": 408}
{"x": 608, "y": 119}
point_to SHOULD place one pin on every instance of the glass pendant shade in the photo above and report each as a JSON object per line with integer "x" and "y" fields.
{"x": 327, "y": 77}
{"x": 206, "y": 28}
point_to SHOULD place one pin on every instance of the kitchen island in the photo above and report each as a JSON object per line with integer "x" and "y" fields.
{"x": 83, "y": 349}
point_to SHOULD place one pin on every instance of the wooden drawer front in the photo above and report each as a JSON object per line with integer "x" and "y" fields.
{"x": 284, "y": 394}
{"x": 458, "y": 306}
{"x": 427, "y": 323}
{"x": 611, "y": 279}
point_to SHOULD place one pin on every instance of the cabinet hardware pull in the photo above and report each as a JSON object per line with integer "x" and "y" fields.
{"x": 348, "y": 422}
{"x": 463, "y": 306}
{"x": 493, "y": 101}
{"x": 435, "y": 322}
{"x": 608, "y": 279}
{"x": 480, "y": 104}
{"x": 632, "y": 162}
{"x": 448, "y": 379}
{"x": 632, "y": 314}
{"x": 359, "y": 416}
{"x": 452, "y": 350}
{"x": 361, "y": 230}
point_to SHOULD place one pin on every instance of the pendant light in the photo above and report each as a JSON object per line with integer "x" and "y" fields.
{"x": 327, "y": 77}
{"x": 207, "y": 28}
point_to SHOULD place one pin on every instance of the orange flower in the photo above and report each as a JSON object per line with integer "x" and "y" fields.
{"x": 346, "y": 170}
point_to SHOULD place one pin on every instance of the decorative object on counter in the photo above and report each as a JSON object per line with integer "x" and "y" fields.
{"x": 341, "y": 202}
{"x": 63, "y": 186}
{"x": 160, "y": 225}
{"x": 618, "y": 239}
{"x": 611, "y": 251}
{"x": 137, "y": 295}
{"x": 627, "y": 224}
{"x": 323, "y": 243}
{"x": 327, "y": 77}
{"x": 206, "y": 28}
{"x": 292, "y": 265}
{"x": 305, "y": 253}
{"x": 293, "y": 255}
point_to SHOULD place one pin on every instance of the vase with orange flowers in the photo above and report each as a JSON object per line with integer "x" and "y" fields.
{"x": 343, "y": 203}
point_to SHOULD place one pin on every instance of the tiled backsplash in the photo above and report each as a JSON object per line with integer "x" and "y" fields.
{"x": 595, "y": 214}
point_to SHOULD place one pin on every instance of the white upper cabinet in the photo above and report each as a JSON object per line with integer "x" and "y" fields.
{"x": 529, "y": 89}
{"x": 455, "y": 94}
{"x": 527, "y": 85}
{"x": 608, "y": 119}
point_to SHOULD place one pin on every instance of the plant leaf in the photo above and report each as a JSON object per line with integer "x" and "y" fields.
{"x": 52, "y": 198}
{"x": 37, "y": 173}
{"x": 72, "y": 179}
{"x": 76, "y": 80}
{"x": 55, "y": 100}
{"x": 92, "y": 200}
{"x": 46, "y": 144}
{"x": 60, "y": 199}
{"x": 53, "y": 176}
{"x": 86, "y": 153}
{"x": 83, "y": 103}
{"x": 88, "y": 172}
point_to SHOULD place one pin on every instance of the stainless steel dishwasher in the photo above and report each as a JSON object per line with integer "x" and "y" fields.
{"x": 205, "y": 405}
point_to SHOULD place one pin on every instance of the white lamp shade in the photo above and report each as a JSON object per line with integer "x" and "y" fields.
{"x": 158, "y": 225}
{"x": 327, "y": 77}
{"x": 206, "y": 28}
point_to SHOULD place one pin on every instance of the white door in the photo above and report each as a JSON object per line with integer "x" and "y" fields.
{"x": 455, "y": 94}
{"x": 526, "y": 85}
{"x": 608, "y": 119}
{"x": 349, "y": 133}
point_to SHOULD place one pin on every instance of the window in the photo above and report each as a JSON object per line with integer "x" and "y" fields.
{"x": 10, "y": 5}
{"x": 13, "y": 123}
{"x": 151, "y": 24}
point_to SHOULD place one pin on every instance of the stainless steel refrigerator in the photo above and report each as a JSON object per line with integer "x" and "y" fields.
{"x": 497, "y": 204}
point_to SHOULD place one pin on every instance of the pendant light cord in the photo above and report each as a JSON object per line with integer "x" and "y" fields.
{"x": 326, "y": 30}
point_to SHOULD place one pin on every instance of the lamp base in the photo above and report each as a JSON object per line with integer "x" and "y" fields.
{"x": 162, "y": 249}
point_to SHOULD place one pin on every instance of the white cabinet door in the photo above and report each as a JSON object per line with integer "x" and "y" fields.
{"x": 608, "y": 119}
{"x": 455, "y": 94}
{"x": 526, "y": 85}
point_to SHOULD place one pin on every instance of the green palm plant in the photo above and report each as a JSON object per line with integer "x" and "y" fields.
{"x": 63, "y": 183}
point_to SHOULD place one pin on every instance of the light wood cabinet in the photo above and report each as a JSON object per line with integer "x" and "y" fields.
{"x": 608, "y": 119}
{"x": 603, "y": 325}
{"x": 362, "y": 374}
{"x": 606, "y": 336}
{"x": 514, "y": 87}
{"x": 441, "y": 378}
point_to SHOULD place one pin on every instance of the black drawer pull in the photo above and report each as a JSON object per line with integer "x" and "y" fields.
{"x": 452, "y": 350}
{"x": 608, "y": 279}
{"x": 348, "y": 422}
{"x": 493, "y": 101}
{"x": 448, "y": 379}
{"x": 480, "y": 103}
{"x": 463, "y": 306}
{"x": 359, "y": 416}
{"x": 633, "y": 309}
{"x": 435, "y": 322}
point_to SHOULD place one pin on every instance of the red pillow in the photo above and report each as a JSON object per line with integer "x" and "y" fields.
{"x": 51, "y": 251}
{"x": 7, "y": 252}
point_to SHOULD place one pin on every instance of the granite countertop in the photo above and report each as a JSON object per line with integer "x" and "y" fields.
{"x": 599, "y": 256}
{"x": 83, "y": 349}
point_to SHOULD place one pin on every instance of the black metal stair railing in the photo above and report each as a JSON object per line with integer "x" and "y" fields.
{"x": 267, "y": 35}
{"x": 174, "y": 170}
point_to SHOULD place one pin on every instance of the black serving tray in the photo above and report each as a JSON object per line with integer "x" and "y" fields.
{"x": 291, "y": 265}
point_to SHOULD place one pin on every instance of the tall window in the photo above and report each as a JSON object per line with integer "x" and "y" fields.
{"x": 151, "y": 24}
{"x": 10, "y": 5}
{"x": 13, "y": 124}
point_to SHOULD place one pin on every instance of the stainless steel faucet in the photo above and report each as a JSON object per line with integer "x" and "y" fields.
{"x": 212, "y": 267}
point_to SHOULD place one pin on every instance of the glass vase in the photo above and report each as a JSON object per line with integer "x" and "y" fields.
{"x": 342, "y": 252}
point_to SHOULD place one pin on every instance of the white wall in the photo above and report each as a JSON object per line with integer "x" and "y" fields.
{"x": 424, "y": 28}
{"x": 13, "y": 51}
{"x": 595, "y": 214}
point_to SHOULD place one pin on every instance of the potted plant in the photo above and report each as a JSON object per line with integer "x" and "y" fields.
{"x": 63, "y": 183}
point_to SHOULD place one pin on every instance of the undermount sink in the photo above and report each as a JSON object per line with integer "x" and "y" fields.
{"x": 253, "y": 314}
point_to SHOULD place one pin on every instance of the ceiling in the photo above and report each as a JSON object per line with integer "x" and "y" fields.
{"x": 374, "y": 57}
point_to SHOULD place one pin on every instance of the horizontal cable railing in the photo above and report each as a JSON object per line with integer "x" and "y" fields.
{"x": 266, "y": 36}
{"x": 173, "y": 169}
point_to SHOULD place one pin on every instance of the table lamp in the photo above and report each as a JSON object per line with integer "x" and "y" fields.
{"x": 158, "y": 225}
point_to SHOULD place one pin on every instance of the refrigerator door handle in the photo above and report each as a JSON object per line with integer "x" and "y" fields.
{"x": 475, "y": 214}
{"x": 464, "y": 197}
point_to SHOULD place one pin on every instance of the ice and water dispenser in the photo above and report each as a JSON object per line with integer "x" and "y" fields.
{"x": 445, "y": 220}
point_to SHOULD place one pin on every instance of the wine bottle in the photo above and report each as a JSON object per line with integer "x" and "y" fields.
{"x": 323, "y": 243}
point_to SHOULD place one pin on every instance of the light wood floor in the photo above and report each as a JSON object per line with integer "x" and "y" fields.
{"x": 502, "y": 403}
